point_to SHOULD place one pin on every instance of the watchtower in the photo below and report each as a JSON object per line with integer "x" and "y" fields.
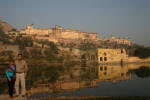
{"x": 29, "y": 26}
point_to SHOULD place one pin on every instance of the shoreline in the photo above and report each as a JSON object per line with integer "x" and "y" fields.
{"x": 6, "y": 97}
{"x": 121, "y": 63}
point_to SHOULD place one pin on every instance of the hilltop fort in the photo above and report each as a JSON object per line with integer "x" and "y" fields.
{"x": 58, "y": 34}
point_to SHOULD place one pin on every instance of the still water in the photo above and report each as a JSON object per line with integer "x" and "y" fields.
{"x": 102, "y": 80}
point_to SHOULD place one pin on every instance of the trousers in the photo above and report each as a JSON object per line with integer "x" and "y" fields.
{"x": 11, "y": 86}
{"x": 20, "y": 79}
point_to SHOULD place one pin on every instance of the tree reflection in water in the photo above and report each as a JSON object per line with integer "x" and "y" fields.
{"x": 142, "y": 72}
{"x": 61, "y": 79}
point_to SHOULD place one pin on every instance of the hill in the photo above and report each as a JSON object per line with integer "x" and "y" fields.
{"x": 5, "y": 26}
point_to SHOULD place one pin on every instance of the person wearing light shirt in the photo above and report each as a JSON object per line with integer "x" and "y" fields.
{"x": 21, "y": 73}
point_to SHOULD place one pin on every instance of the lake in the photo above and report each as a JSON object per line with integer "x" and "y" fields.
{"x": 101, "y": 80}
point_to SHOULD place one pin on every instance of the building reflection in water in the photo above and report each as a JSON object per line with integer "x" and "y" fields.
{"x": 113, "y": 73}
{"x": 77, "y": 78}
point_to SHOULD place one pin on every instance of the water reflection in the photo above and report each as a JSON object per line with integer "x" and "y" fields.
{"x": 102, "y": 80}
{"x": 142, "y": 72}
{"x": 113, "y": 73}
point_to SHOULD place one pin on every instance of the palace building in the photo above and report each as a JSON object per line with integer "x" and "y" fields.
{"x": 104, "y": 56}
{"x": 58, "y": 32}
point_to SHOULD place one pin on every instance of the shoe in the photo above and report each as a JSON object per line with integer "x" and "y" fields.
{"x": 16, "y": 95}
{"x": 11, "y": 97}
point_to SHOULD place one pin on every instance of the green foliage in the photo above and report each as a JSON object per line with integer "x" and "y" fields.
{"x": 23, "y": 42}
{"x": 52, "y": 52}
{"x": 3, "y": 84}
{"x": 60, "y": 59}
{"x": 50, "y": 55}
{"x": 26, "y": 54}
{"x": 136, "y": 46}
{"x": 35, "y": 61}
{"x": 2, "y": 34}
{"x": 2, "y": 60}
{"x": 87, "y": 46}
{"x": 4, "y": 37}
{"x": 36, "y": 52}
{"x": 8, "y": 54}
{"x": 49, "y": 43}
{"x": 142, "y": 52}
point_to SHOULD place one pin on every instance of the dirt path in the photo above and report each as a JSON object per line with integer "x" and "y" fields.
{"x": 6, "y": 97}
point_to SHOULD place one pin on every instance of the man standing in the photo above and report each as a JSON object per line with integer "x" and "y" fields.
{"x": 21, "y": 73}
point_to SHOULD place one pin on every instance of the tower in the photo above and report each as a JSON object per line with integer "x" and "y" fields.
{"x": 29, "y": 26}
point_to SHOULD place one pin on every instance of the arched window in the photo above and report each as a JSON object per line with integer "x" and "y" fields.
{"x": 101, "y": 68}
{"x": 105, "y": 67}
{"x": 89, "y": 58}
{"x": 121, "y": 50}
{"x": 122, "y": 74}
{"x": 105, "y": 58}
{"x": 101, "y": 58}
{"x": 93, "y": 57}
{"x": 105, "y": 54}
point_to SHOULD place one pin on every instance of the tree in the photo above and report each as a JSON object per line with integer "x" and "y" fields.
{"x": 36, "y": 52}
{"x": 50, "y": 55}
{"x": 23, "y": 42}
{"x": 87, "y": 46}
{"x": 4, "y": 37}
{"x": 142, "y": 52}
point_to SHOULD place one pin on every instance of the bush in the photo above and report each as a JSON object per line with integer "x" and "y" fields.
{"x": 142, "y": 52}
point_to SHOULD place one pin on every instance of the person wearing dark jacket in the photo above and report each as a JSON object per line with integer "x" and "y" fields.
{"x": 10, "y": 73}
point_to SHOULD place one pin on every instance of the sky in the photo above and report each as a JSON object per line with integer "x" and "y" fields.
{"x": 120, "y": 18}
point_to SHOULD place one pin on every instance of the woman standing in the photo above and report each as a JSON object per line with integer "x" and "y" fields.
{"x": 10, "y": 73}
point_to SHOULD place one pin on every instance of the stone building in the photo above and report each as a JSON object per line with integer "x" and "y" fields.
{"x": 104, "y": 56}
{"x": 57, "y": 32}
{"x": 113, "y": 39}
{"x": 90, "y": 57}
{"x": 111, "y": 55}
{"x": 38, "y": 31}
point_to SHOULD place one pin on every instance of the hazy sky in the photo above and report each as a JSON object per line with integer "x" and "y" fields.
{"x": 121, "y": 18}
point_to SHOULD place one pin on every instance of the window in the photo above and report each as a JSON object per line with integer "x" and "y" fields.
{"x": 121, "y": 51}
{"x": 105, "y": 58}
{"x": 101, "y": 68}
{"x": 105, "y": 68}
{"x": 89, "y": 57}
{"x": 105, "y": 54}
{"x": 93, "y": 57}
{"x": 101, "y": 58}
{"x": 122, "y": 74}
